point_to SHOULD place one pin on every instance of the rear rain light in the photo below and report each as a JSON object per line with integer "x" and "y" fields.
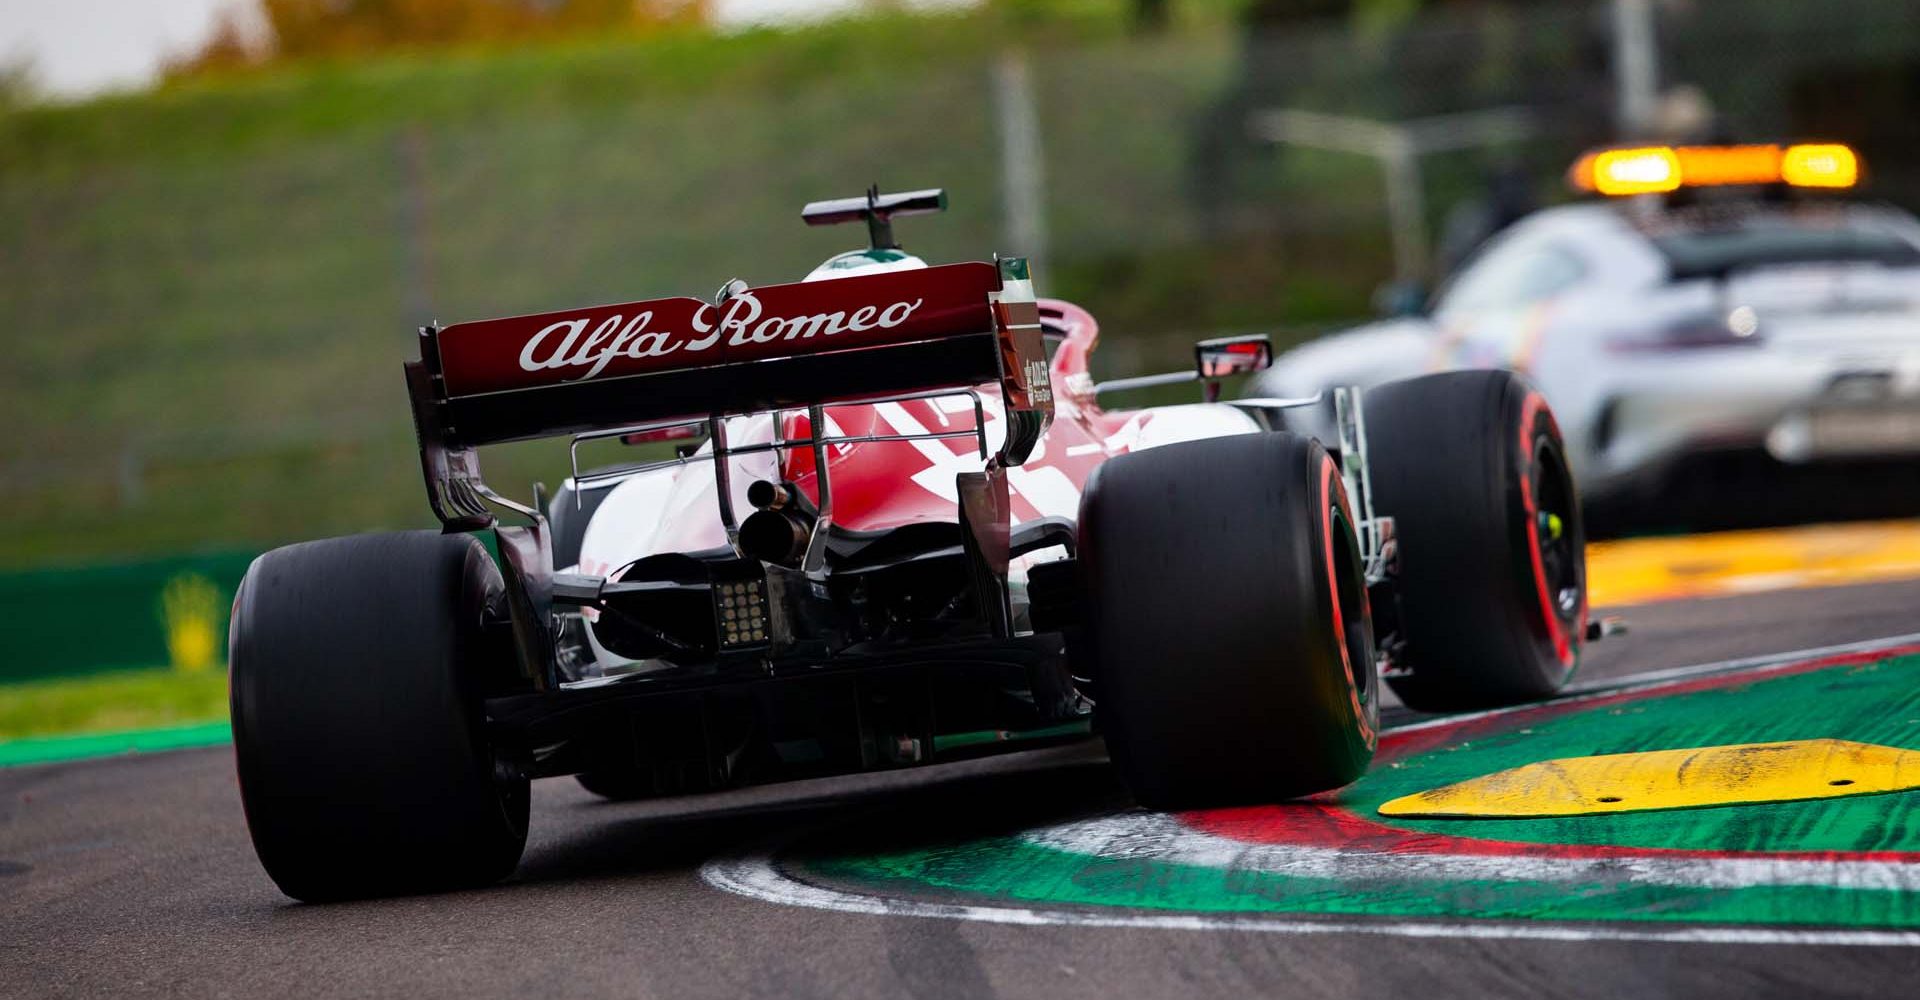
{"x": 740, "y": 608}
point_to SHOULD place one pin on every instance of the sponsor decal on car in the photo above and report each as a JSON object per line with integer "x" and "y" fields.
{"x": 744, "y": 325}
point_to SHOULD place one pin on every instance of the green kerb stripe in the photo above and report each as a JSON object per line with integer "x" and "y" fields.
{"x": 1006, "y": 870}
{"x": 48, "y": 749}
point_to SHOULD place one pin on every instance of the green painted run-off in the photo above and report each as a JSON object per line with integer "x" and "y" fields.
{"x": 1872, "y": 703}
{"x": 1877, "y": 702}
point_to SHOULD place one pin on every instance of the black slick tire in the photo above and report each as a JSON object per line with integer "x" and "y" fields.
{"x": 1225, "y": 622}
{"x": 357, "y": 666}
{"x": 1491, "y": 577}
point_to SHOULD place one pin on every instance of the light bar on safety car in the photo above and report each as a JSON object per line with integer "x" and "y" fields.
{"x": 1660, "y": 169}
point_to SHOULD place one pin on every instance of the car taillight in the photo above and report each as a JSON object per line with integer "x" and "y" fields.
{"x": 1738, "y": 327}
{"x": 741, "y": 606}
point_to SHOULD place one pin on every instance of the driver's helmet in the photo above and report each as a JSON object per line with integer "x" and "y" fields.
{"x": 873, "y": 260}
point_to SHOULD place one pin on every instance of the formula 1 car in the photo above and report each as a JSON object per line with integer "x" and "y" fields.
{"x": 908, "y": 533}
{"x": 1721, "y": 318}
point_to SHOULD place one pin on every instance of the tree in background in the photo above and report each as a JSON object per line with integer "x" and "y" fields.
{"x": 300, "y": 29}
{"x": 16, "y": 83}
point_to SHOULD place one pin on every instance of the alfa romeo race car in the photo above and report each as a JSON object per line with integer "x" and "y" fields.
{"x": 907, "y": 531}
{"x": 1720, "y": 323}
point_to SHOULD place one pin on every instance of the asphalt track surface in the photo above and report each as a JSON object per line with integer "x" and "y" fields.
{"x": 133, "y": 877}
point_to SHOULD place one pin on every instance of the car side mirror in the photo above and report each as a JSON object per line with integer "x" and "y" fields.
{"x": 1400, "y": 299}
{"x": 1213, "y": 360}
{"x": 1233, "y": 356}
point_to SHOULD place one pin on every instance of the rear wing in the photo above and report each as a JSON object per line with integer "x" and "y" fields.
{"x": 877, "y": 209}
{"x": 752, "y": 350}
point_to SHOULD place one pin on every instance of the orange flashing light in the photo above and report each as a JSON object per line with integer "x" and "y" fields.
{"x": 1823, "y": 166}
{"x": 1650, "y": 170}
{"x": 1713, "y": 166}
{"x": 1659, "y": 169}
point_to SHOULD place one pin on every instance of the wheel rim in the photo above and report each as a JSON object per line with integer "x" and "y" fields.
{"x": 1350, "y": 591}
{"x": 515, "y": 795}
{"x": 1557, "y": 524}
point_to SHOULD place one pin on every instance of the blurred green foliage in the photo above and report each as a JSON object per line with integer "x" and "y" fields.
{"x": 132, "y": 699}
{"x": 210, "y": 288}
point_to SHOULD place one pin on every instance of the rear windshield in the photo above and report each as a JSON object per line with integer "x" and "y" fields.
{"x": 1716, "y": 245}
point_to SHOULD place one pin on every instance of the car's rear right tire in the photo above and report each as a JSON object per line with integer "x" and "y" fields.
{"x": 1225, "y": 622}
{"x": 358, "y": 667}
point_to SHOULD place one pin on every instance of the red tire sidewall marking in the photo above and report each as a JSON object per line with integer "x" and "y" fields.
{"x": 1532, "y": 411}
{"x": 1333, "y": 491}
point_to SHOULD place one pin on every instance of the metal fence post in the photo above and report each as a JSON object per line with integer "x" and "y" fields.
{"x": 1022, "y": 172}
{"x": 1398, "y": 146}
{"x": 1635, "y": 67}
{"x": 415, "y": 230}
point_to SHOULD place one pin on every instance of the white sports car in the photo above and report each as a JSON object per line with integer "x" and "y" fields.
{"x": 1727, "y": 311}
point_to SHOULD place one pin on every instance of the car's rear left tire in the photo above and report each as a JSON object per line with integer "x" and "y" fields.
{"x": 357, "y": 673}
{"x": 1491, "y": 574}
{"x": 1225, "y": 622}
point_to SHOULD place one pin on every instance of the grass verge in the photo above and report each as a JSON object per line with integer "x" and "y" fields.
{"x": 112, "y": 702}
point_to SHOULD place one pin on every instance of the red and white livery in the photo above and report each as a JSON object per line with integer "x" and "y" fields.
{"x": 899, "y": 524}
